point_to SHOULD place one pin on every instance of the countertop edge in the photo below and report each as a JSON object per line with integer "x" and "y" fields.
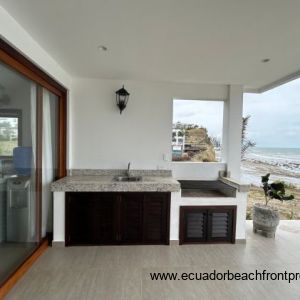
{"x": 241, "y": 187}
{"x": 66, "y": 185}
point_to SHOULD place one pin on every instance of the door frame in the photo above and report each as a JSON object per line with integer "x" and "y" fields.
{"x": 15, "y": 60}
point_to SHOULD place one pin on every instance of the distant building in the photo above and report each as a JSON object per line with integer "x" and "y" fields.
{"x": 178, "y": 142}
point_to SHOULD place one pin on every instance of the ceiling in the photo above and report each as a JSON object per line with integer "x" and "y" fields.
{"x": 201, "y": 41}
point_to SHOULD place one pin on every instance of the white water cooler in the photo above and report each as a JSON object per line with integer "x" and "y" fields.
{"x": 19, "y": 210}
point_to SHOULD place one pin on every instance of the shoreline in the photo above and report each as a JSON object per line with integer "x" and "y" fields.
{"x": 252, "y": 170}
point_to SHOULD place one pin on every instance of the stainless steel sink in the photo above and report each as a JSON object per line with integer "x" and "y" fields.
{"x": 128, "y": 178}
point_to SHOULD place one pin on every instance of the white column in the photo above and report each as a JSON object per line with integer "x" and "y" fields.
{"x": 241, "y": 215}
{"x": 58, "y": 217}
{"x": 232, "y": 130}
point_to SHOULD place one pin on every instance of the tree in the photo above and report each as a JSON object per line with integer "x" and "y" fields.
{"x": 215, "y": 141}
{"x": 275, "y": 190}
{"x": 180, "y": 125}
{"x": 246, "y": 143}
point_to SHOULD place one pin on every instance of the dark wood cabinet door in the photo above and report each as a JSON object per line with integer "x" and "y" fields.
{"x": 100, "y": 218}
{"x": 220, "y": 224}
{"x": 130, "y": 226}
{"x": 79, "y": 212}
{"x": 90, "y": 218}
{"x": 207, "y": 224}
{"x": 156, "y": 218}
{"x": 105, "y": 222}
{"x": 193, "y": 226}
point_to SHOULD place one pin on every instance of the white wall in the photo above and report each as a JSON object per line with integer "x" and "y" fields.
{"x": 11, "y": 31}
{"x": 240, "y": 202}
{"x": 59, "y": 217}
{"x": 197, "y": 171}
{"x": 102, "y": 138}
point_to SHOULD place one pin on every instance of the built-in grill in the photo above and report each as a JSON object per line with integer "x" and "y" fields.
{"x": 205, "y": 188}
{"x": 207, "y": 224}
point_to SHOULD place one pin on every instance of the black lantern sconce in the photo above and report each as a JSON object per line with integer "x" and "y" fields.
{"x": 122, "y": 97}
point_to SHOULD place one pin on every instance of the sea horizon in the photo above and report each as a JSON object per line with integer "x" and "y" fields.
{"x": 283, "y": 163}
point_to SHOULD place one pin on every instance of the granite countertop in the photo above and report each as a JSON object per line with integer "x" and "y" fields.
{"x": 152, "y": 182}
{"x": 241, "y": 187}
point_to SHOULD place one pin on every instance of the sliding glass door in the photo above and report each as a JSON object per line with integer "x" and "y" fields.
{"x": 50, "y": 107}
{"x": 32, "y": 156}
{"x": 18, "y": 192}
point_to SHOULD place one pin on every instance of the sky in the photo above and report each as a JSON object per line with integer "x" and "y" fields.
{"x": 275, "y": 116}
{"x": 208, "y": 114}
{"x": 274, "y": 121}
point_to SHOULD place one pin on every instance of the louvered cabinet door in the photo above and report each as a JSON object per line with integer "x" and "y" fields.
{"x": 79, "y": 212}
{"x": 207, "y": 224}
{"x": 105, "y": 219}
{"x": 131, "y": 218}
{"x": 193, "y": 225}
{"x": 90, "y": 218}
{"x": 156, "y": 218}
{"x": 220, "y": 224}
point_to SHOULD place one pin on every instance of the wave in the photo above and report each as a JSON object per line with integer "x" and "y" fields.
{"x": 289, "y": 166}
{"x": 288, "y": 159}
{"x": 283, "y": 164}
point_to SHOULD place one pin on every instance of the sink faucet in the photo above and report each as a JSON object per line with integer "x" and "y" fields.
{"x": 128, "y": 169}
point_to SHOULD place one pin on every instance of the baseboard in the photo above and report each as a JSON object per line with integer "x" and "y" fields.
{"x": 237, "y": 241}
{"x": 13, "y": 279}
{"x": 174, "y": 242}
{"x": 240, "y": 241}
{"x": 58, "y": 244}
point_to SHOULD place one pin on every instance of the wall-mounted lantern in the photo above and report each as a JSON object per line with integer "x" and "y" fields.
{"x": 122, "y": 97}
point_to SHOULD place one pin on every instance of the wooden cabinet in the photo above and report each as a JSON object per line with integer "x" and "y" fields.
{"x": 195, "y": 226}
{"x": 79, "y": 215}
{"x": 156, "y": 220}
{"x": 131, "y": 216}
{"x": 100, "y": 218}
{"x": 221, "y": 224}
{"x": 207, "y": 224}
{"x": 103, "y": 218}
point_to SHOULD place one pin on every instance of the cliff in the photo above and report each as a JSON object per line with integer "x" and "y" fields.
{"x": 198, "y": 145}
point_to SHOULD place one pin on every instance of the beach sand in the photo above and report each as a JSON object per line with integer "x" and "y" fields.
{"x": 289, "y": 210}
{"x": 252, "y": 172}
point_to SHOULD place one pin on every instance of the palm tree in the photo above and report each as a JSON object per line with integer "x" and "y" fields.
{"x": 246, "y": 144}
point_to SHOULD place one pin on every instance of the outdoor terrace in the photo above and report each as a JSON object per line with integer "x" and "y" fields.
{"x": 123, "y": 272}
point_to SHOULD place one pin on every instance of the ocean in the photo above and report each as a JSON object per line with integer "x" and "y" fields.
{"x": 282, "y": 163}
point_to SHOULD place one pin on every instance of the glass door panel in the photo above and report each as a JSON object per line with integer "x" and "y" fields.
{"x": 18, "y": 208}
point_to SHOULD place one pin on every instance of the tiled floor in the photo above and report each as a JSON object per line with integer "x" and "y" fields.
{"x": 123, "y": 272}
